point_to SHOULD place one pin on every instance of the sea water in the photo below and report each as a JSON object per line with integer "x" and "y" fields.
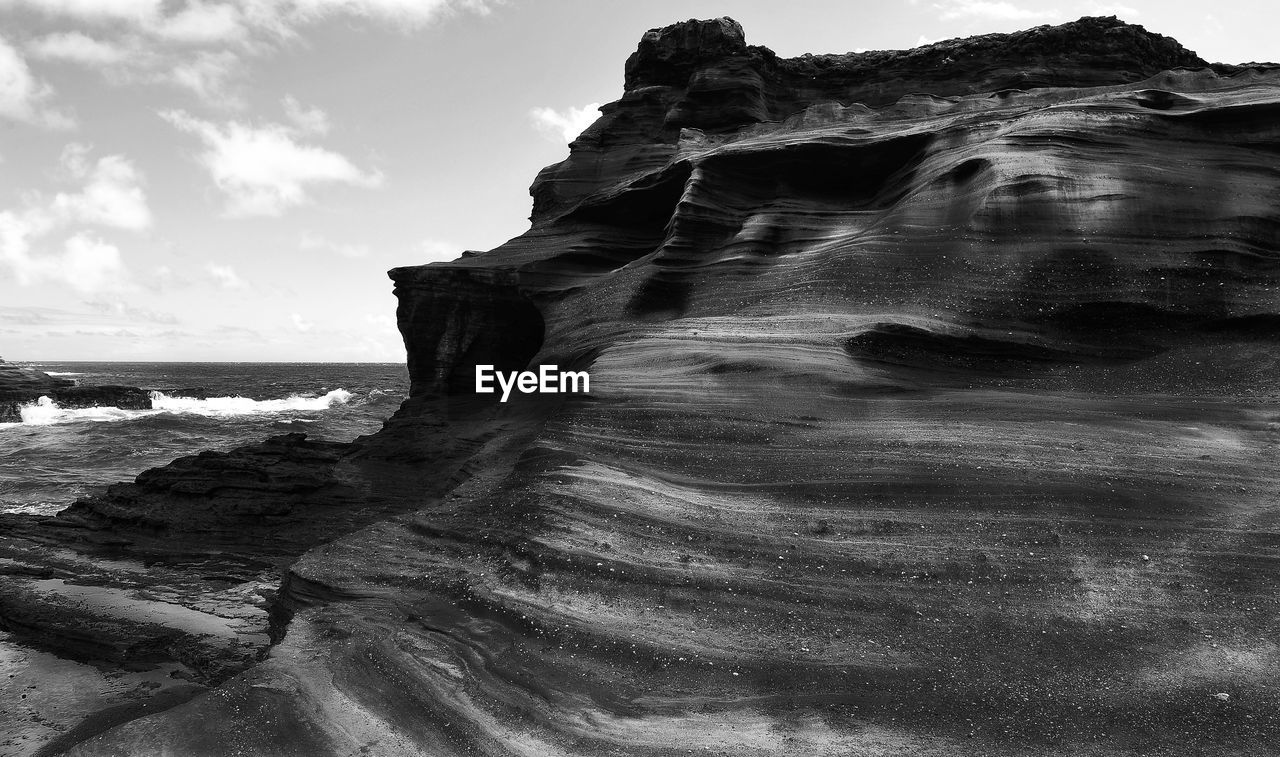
{"x": 57, "y": 455}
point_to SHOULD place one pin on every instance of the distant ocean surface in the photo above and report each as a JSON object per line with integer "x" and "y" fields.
{"x": 55, "y": 456}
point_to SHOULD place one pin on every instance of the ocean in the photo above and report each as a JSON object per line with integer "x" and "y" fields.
{"x": 56, "y": 455}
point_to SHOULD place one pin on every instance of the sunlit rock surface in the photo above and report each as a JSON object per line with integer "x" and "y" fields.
{"x": 933, "y": 411}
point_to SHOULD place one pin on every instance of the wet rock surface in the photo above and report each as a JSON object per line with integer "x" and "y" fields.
{"x": 20, "y": 385}
{"x": 928, "y": 416}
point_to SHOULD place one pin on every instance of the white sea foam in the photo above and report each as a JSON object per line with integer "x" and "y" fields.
{"x": 45, "y": 412}
{"x": 214, "y": 406}
{"x": 63, "y": 373}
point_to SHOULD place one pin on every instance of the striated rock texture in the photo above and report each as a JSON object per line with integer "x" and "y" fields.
{"x": 933, "y": 411}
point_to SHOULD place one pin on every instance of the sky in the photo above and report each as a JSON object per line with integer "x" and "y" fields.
{"x": 229, "y": 180}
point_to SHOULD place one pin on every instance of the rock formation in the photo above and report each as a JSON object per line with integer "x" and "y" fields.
{"x": 21, "y": 386}
{"x": 933, "y": 411}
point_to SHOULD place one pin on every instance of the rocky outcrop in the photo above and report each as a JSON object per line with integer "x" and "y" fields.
{"x": 702, "y": 75}
{"x": 20, "y": 386}
{"x": 932, "y": 412}
{"x": 454, "y": 320}
{"x": 14, "y": 378}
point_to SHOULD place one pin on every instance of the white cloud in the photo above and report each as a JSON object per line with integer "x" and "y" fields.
{"x": 308, "y": 120}
{"x": 993, "y": 10}
{"x": 311, "y": 241}
{"x": 408, "y": 12}
{"x": 221, "y": 21}
{"x": 76, "y": 48}
{"x": 90, "y": 265}
{"x": 567, "y": 125}
{"x": 152, "y": 41}
{"x": 127, "y": 312}
{"x": 17, "y": 229}
{"x": 225, "y": 276}
{"x": 299, "y": 323}
{"x": 262, "y": 170}
{"x": 84, "y": 263}
{"x": 382, "y": 321}
{"x": 201, "y": 23}
{"x": 922, "y": 40}
{"x": 22, "y": 96}
{"x": 92, "y": 10}
{"x": 207, "y": 75}
{"x": 111, "y": 196}
{"x": 1110, "y": 9}
{"x": 437, "y": 250}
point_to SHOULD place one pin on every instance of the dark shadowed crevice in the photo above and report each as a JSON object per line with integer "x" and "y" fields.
{"x": 910, "y": 346}
{"x": 646, "y": 205}
{"x": 853, "y": 176}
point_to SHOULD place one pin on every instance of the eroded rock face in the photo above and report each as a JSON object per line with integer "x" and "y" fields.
{"x": 702, "y": 75}
{"x": 453, "y": 320}
{"x": 932, "y": 423}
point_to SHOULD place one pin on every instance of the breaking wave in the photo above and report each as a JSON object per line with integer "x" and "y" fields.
{"x": 45, "y": 412}
{"x": 244, "y": 406}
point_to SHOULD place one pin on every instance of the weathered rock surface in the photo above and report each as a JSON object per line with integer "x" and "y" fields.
{"x": 22, "y": 378}
{"x": 933, "y": 411}
{"x": 21, "y": 386}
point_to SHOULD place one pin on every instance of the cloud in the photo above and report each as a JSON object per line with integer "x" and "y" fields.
{"x": 112, "y": 195}
{"x": 27, "y": 316}
{"x": 223, "y": 21}
{"x": 564, "y": 126}
{"x": 991, "y": 10}
{"x": 22, "y": 96}
{"x": 125, "y": 311}
{"x": 300, "y": 324}
{"x": 201, "y": 23}
{"x": 75, "y": 47}
{"x": 382, "y": 321}
{"x": 85, "y": 264}
{"x": 437, "y": 250}
{"x": 89, "y": 265}
{"x": 225, "y": 276}
{"x": 262, "y": 170}
{"x": 96, "y": 11}
{"x": 202, "y": 46}
{"x": 409, "y": 13}
{"x": 207, "y": 75}
{"x": 1110, "y": 9}
{"x": 307, "y": 120}
{"x": 311, "y": 241}
{"x": 17, "y": 229}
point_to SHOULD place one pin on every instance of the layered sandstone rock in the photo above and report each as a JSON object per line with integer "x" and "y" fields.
{"x": 933, "y": 411}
